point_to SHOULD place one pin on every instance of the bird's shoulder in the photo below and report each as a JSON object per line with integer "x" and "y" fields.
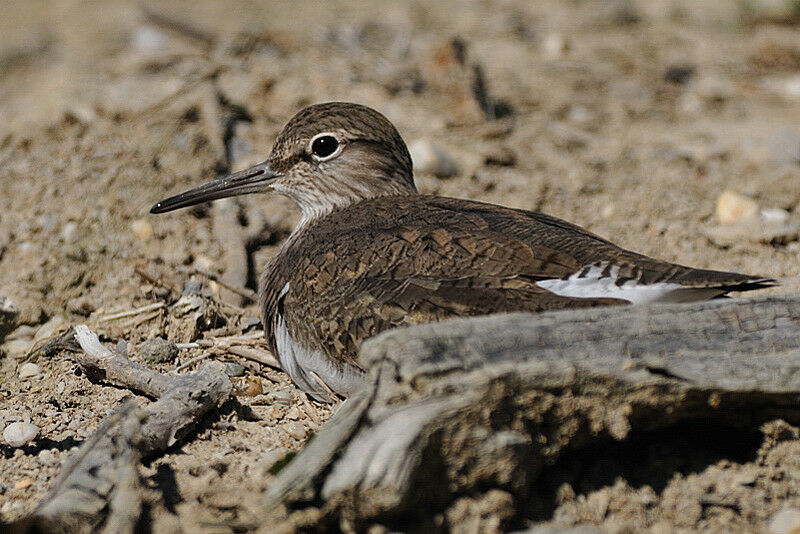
{"x": 440, "y": 237}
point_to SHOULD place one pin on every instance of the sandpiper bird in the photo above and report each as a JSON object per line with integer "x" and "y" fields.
{"x": 370, "y": 253}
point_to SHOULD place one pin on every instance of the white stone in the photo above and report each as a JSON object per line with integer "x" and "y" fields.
{"x": 204, "y": 262}
{"x": 148, "y": 38}
{"x": 17, "y": 348}
{"x": 431, "y": 158}
{"x": 18, "y": 434}
{"x": 689, "y": 105}
{"x": 47, "y": 457}
{"x": 142, "y": 229}
{"x": 785, "y": 521}
{"x": 69, "y": 232}
{"x": 774, "y": 215}
{"x": 29, "y": 370}
{"x": 554, "y": 45}
{"x": 785, "y": 87}
{"x": 734, "y": 207}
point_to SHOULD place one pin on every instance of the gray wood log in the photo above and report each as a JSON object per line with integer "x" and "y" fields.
{"x": 462, "y": 406}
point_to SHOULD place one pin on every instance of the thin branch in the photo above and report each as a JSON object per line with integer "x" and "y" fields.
{"x": 241, "y": 291}
{"x": 257, "y": 355}
{"x": 191, "y": 362}
{"x": 130, "y": 313}
{"x": 116, "y": 368}
{"x": 102, "y": 484}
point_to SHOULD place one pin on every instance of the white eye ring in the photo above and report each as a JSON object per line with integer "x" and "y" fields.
{"x": 325, "y": 146}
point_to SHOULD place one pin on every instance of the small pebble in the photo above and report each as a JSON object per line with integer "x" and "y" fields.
{"x": 142, "y": 229}
{"x": 23, "y": 484}
{"x": 17, "y": 348}
{"x": 81, "y": 306}
{"x": 69, "y": 232}
{"x": 734, "y": 207}
{"x": 787, "y": 87}
{"x": 554, "y": 45}
{"x": 80, "y": 112}
{"x": 148, "y": 38}
{"x": 689, "y": 105}
{"x": 582, "y": 117}
{"x": 296, "y": 430}
{"x": 47, "y": 457}
{"x": 8, "y": 506}
{"x": 774, "y": 215}
{"x": 24, "y": 331}
{"x": 293, "y": 413}
{"x": 29, "y": 370}
{"x": 282, "y": 397}
{"x": 158, "y": 350}
{"x": 20, "y": 433}
{"x": 758, "y": 231}
{"x": 431, "y": 158}
{"x": 785, "y": 521}
{"x": 204, "y": 262}
{"x": 234, "y": 369}
{"x": 745, "y": 478}
{"x": 700, "y": 153}
{"x": 251, "y": 387}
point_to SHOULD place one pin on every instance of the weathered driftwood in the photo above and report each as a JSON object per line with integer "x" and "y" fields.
{"x": 101, "y": 486}
{"x": 461, "y": 408}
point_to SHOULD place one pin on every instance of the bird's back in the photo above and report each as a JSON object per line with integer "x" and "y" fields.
{"x": 399, "y": 260}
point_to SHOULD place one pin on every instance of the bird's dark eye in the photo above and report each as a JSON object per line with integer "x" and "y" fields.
{"x": 324, "y": 145}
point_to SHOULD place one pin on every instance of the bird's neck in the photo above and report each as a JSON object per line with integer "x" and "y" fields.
{"x": 323, "y": 198}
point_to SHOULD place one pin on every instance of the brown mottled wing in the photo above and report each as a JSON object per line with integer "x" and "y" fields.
{"x": 403, "y": 260}
{"x": 393, "y": 265}
{"x": 586, "y": 249}
{"x": 380, "y": 304}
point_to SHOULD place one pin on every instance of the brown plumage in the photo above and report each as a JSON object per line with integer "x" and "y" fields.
{"x": 371, "y": 254}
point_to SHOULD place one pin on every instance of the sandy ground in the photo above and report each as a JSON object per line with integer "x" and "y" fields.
{"x": 629, "y": 118}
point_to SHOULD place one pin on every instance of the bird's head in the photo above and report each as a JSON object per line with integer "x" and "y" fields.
{"x": 327, "y": 156}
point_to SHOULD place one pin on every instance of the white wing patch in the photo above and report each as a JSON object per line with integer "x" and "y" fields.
{"x": 304, "y": 365}
{"x": 594, "y": 285}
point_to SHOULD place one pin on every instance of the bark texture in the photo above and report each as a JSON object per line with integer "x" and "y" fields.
{"x": 476, "y": 409}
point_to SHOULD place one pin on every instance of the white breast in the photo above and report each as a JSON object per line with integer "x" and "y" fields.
{"x": 594, "y": 285}
{"x": 308, "y": 367}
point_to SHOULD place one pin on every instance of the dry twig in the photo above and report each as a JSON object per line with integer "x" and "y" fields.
{"x": 100, "y": 488}
{"x": 130, "y": 313}
{"x": 241, "y": 291}
{"x": 257, "y": 355}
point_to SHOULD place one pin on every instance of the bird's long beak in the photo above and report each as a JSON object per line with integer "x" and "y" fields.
{"x": 253, "y": 180}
